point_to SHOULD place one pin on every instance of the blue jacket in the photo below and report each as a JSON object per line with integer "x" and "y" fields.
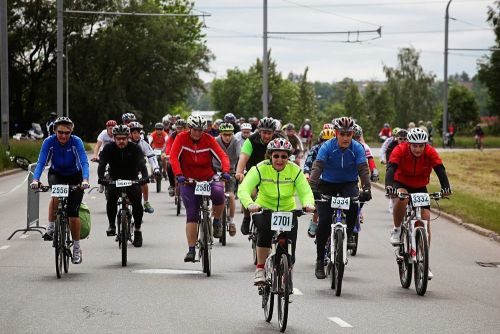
{"x": 311, "y": 156}
{"x": 65, "y": 159}
{"x": 341, "y": 165}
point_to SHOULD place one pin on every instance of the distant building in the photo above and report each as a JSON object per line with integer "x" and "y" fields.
{"x": 207, "y": 114}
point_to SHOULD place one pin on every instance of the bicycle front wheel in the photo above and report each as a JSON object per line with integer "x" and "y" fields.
{"x": 124, "y": 233}
{"x": 421, "y": 261}
{"x": 67, "y": 249}
{"x": 267, "y": 302}
{"x": 222, "y": 239}
{"x": 207, "y": 254}
{"x": 404, "y": 261}
{"x": 283, "y": 292}
{"x": 338, "y": 262}
{"x": 58, "y": 246}
{"x": 178, "y": 203}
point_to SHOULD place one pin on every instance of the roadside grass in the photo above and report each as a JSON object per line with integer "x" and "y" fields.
{"x": 474, "y": 178}
{"x": 460, "y": 142}
{"x": 26, "y": 149}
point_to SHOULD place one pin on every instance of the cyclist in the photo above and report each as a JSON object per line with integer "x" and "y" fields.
{"x": 180, "y": 126}
{"x": 135, "y": 137}
{"x": 298, "y": 148}
{"x": 386, "y": 144}
{"x": 409, "y": 171}
{"x": 105, "y": 137}
{"x": 191, "y": 158}
{"x": 246, "y": 132}
{"x": 128, "y": 117}
{"x": 400, "y": 137}
{"x": 253, "y": 151}
{"x": 340, "y": 162}
{"x": 214, "y": 131}
{"x": 230, "y": 146}
{"x": 479, "y": 136}
{"x": 158, "y": 141}
{"x": 324, "y": 135}
{"x": 306, "y": 133}
{"x": 69, "y": 165}
{"x": 385, "y": 132}
{"x": 278, "y": 180}
{"x": 230, "y": 118}
{"x": 125, "y": 160}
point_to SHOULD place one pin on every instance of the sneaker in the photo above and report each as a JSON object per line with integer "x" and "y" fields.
{"x": 395, "y": 233}
{"x": 148, "y": 208}
{"x": 232, "y": 229}
{"x": 111, "y": 231}
{"x": 259, "y": 277}
{"x": 77, "y": 255}
{"x": 171, "y": 191}
{"x": 311, "y": 231}
{"x": 217, "y": 230}
{"x": 49, "y": 234}
{"x": 190, "y": 257}
{"x": 430, "y": 275}
{"x": 245, "y": 226}
{"x": 137, "y": 239}
{"x": 320, "y": 270}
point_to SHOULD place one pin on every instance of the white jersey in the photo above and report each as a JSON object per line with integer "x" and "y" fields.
{"x": 384, "y": 147}
{"x": 240, "y": 139}
{"x": 148, "y": 153}
{"x": 104, "y": 138}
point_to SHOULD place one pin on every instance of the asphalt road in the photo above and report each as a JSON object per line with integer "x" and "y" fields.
{"x": 100, "y": 296}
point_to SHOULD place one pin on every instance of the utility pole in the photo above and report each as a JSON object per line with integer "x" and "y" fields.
{"x": 4, "y": 64}
{"x": 60, "y": 68}
{"x": 445, "y": 79}
{"x": 265, "y": 66}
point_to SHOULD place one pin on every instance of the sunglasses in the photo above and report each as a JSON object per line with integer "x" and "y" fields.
{"x": 121, "y": 138}
{"x": 59, "y": 132}
{"x": 346, "y": 134}
{"x": 227, "y": 134}
{"x": 402, "y": 139}
{"x": 282, "y": 156}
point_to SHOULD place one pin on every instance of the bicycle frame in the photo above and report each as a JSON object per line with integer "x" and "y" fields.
{"x": 338, "y": 222}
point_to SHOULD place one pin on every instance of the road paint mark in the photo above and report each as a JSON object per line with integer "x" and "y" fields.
{"x": 92, "y": 197}
{"x": 4, "y": 247}
{"x": 297, "y": 292}
{"x": 340, "y": 322}
{"x": 168, "y": 272}
{"x": 24, "y": 236}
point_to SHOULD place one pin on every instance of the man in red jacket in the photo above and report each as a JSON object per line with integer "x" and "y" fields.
{"x": 191, "y": 158}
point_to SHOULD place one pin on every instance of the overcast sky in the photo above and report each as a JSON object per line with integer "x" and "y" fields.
{"x": 234, "y": 35}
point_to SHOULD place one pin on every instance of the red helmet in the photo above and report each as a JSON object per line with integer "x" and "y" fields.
{"x": 111, "y": 122}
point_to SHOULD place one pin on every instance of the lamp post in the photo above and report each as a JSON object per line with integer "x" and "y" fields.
{"x": 265, "y": 78}
{"x": 445, "y": 79}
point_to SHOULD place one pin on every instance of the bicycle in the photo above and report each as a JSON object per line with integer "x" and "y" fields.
{"x": 123, "y": 218}
{"x": 62, "y": 240}
{"x": 335, "y": 264}
{"x": 158, "y": 178}
{"x": 278, "y": 266}
{"x": 413, "y": 249}
{"x": 224, "y": 220}
{"x": 20, "y": 162}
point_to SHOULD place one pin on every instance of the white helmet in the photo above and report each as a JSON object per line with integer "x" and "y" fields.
{"x": 196, "y": 122}
{"x": 246, "y": 126}
{"x": 417, "y": 136}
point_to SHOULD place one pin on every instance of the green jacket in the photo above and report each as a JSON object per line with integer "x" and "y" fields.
{"x": 276, "y": 189}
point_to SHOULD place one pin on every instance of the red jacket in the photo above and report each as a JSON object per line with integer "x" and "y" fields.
{"x": 412, "y": 171}
{"x": 194, "y": 160}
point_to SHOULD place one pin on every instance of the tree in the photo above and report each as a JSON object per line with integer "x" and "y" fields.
{"x": 489, "y": 67}
{"x": 462, "y": 106}
{"x": 306, "y": 100}
{"x": 410, "y": 88}
{"x": 379, "y": 109}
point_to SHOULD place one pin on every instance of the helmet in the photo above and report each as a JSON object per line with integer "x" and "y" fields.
{"x": 246, "y": 126}
{"x": 53, "y": 114}
{"x": 63, "y": 121}
{"x": 411, "y": 125}
{"x": 121, "y": 130}
{"x": 267, "y": 123}
{"x": 290, "y": 126}
{"x": 180, "y": 123}
{"x": 111, "y": 122}
{"x": 159, "y": 126}
{"x": 178, "y": 116}
{"x": 218, "y": 121}
{"x": 226, "y": 127}
{"x": 358, "y": 130}
{"x": 242, "y": 119}
{"x": 307, "y": 120}
{"x": 328, "y": 126}
{"x": 417, "y": 136}
{"x": 395, "y": 131}
{"x": 166, "y": 119}
{"x": 128, "y": 117}
{"x": 196, "y": 122}
{"x": 280, "y": 144}
{"x": 135, "y": 126}
{"x": 402, "y": 133}
{"x": 327, "y": 134}
{"x": 229, "y": 118}
{"x": 386, "y": 125}
{"x": 344, "y": 124}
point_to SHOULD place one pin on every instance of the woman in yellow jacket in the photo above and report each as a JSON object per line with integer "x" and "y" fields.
{"x": 278, "y": 180}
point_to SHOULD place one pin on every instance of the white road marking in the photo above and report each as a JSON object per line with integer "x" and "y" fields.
{"x": 340, "y": 322}
{"x": 24, "y": 236}
{"x": 4, "y": 247}
{"x": 168, "y": 271}
{"x": 92, "y": 197}
{"x": 297, "y": 292}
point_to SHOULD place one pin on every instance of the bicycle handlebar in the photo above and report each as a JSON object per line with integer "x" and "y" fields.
{"x": 296, "y": 212}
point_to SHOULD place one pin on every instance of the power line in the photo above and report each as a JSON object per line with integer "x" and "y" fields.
{"x": 469, "y": 23}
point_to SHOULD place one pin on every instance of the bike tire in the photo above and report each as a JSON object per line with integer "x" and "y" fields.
{"x": 207, "y": 256}
{"x": 283, "y": 292}
{"x": 158, "y": 184}
{"x": 338, "y": 265}
{"x": 267, "y": 303}
{"x": 179, "y": 202}
{"x": 422, "y": 261}
{"x": 58, "y": 247}
{"x": 254, "y": 244}
{"x": 222, "y": 239}
{"x": 67, "y": 250}
{"x": 404, "y": 265}
{"x": 124, "y": 236}
{"x": 353, "y": 251}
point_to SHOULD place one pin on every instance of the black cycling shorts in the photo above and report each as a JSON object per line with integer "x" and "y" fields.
{"x": 411, "y": 190}
{"x": 75, "y": 197}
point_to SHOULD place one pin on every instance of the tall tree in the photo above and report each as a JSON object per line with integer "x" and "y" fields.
{"x": 463, "y": 108}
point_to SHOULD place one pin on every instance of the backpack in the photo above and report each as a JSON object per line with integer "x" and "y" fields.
{"x": 85, "y": 223}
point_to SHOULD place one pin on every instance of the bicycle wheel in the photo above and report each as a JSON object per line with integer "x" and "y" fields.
{"x": 222, "y": 239}
{"x": 354, "y": 249}
{"x": 338, "y": 265}
{"x": 254, "y": 244}
{"x": 22, "y": 163}
{"x": 124, "y": 235}
{"x": 404, "y": 261}
{"x": 422, "y": 261}
{"x": 206, "y": 258}
{"x": 58, "y": 246}
{"x": 67, "y": 249}
{"x": 158, "y": 183}
{"x": 267, "y": 302}
{"x": 179, "y": 202}
{"x": 283, "y": 292}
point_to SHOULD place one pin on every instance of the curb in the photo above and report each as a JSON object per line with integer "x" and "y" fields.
{"x": 11, "y": 172}
{"x": 471, "y": 227}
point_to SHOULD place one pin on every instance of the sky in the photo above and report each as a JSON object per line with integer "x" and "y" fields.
{"x": 234, "y": 35}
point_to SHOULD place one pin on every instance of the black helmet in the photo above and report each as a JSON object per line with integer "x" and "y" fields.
{"x": 181, "y": 123}
{"x": 344, "y": 124}
{"x": 135, "y": 126}
{"x": 229, "y": 118}
{"x": 267, "y": 123}
{"x": 63, "y": 121}
{"x": 121, "y": 130}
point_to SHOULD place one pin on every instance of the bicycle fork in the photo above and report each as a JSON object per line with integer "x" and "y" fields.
{"x": 339, "y": 224}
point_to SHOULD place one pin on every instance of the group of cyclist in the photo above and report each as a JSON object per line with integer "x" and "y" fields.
{"x": 257, "y": 154}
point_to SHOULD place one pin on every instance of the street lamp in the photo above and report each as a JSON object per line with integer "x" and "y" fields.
{"x": 445, "y": 88}
{"x": 66, "y": 56}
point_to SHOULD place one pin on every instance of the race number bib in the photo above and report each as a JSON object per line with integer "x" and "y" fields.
{"x": 123, "y": 183}
{"x": 157, "y": 152}
{"x": 281, "y": 221}
{"x": 60, "y": 190}
{"x": 202, "y": 188}
{"x": 420, "y": 199}
{"x": 341, "y": 203}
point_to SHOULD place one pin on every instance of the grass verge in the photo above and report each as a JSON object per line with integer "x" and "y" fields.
{"x": 475, "y": 184}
